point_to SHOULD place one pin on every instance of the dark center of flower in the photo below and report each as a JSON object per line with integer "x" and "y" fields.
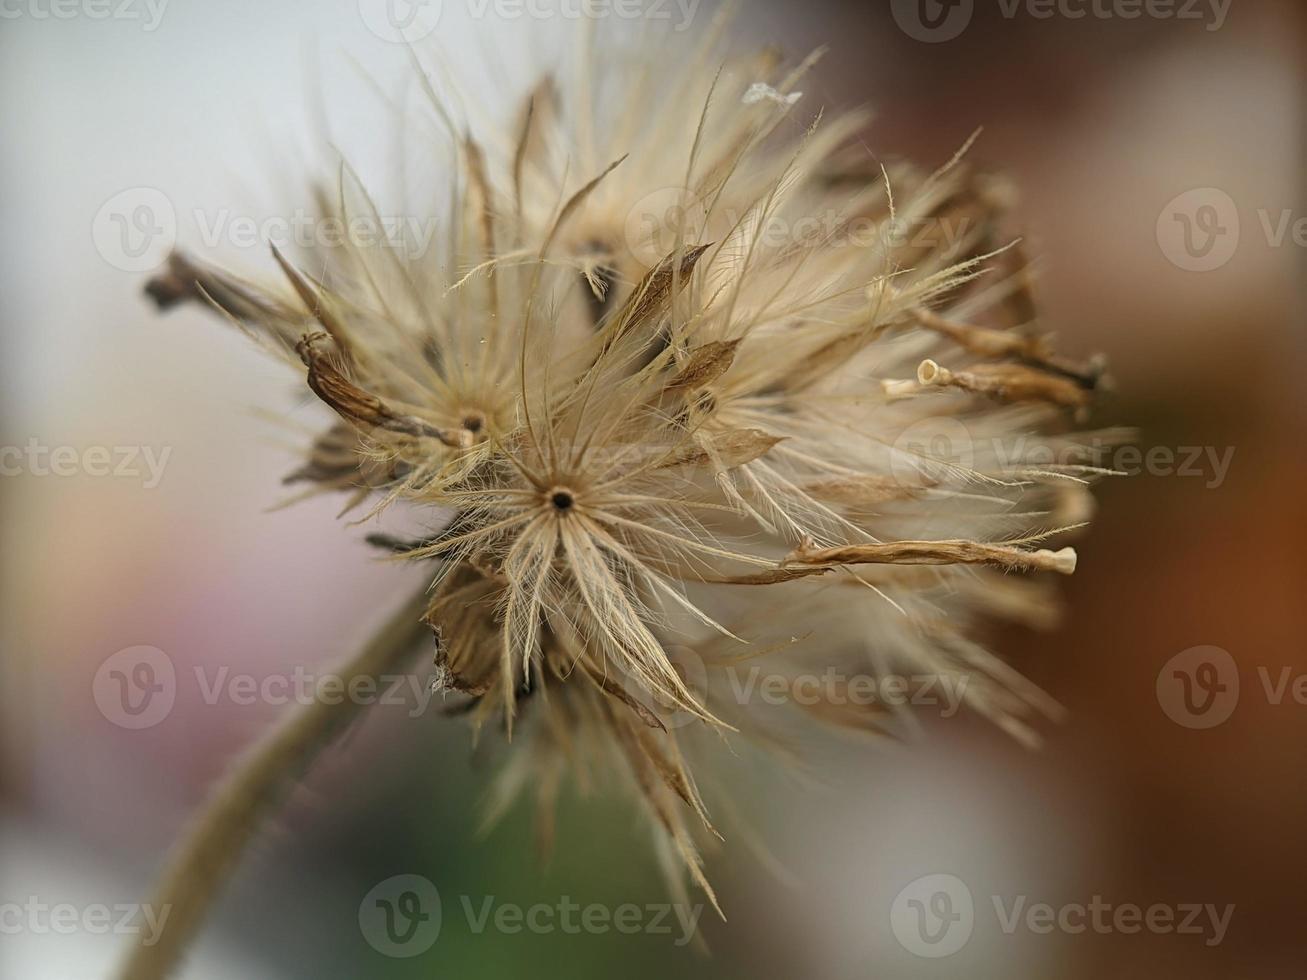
{"x": 473, "y": 423}
{"x": 562, "y": 500}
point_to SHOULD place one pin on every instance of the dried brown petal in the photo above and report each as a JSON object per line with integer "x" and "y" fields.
{"x": 953, "y": 552}
{"x": 357, "y": 405}
{"x": 651, "y": 295}
{"x": 186, "y": 280}
{"x": 732, "y": 448}
{"x": 861, "y": 490}
{"x": 706, "y": 365}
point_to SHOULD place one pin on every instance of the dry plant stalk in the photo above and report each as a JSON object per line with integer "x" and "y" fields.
{"x": 256, "y": 786}
{"x": 666, "y": 446}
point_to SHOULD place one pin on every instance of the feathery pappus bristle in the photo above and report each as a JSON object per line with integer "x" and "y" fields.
{"x": 693, "y": 381}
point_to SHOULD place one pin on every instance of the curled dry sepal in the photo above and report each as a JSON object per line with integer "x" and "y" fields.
{"x": 665, "y": 440}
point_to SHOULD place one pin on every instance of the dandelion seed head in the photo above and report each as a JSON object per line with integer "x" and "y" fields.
{"x": 696, "y": 382}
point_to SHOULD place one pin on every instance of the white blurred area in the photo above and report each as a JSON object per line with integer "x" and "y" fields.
{"x": 215, "y": 108}
{"x": 68, "y": 915}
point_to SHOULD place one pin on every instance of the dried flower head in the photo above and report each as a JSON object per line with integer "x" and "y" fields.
{"x": 692, "y": 383}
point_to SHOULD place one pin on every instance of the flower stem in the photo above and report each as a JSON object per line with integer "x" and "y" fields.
{"x": 257, "y": 784}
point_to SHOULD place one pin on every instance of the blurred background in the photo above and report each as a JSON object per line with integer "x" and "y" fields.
{"x": 1158, "y": 150}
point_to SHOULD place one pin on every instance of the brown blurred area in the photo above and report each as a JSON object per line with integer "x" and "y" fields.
{"x": 1101, "y": 123}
